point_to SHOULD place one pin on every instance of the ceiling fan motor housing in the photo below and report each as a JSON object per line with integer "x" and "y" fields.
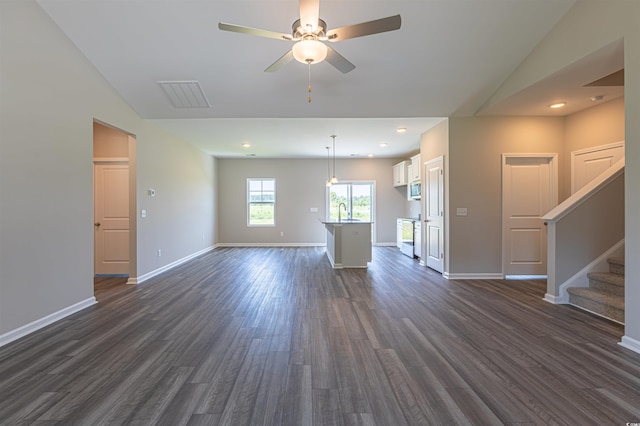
{"x": 299, "y": 32}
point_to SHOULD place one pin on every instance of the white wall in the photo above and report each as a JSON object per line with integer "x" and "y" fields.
{"x": 50, "y": 95}
{"x": 300, "y": 185}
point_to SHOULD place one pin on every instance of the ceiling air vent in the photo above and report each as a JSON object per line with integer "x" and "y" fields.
{"x": 185, "y": 94}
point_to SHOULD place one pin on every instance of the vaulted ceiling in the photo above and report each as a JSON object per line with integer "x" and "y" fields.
{"x": 447, "y": 59}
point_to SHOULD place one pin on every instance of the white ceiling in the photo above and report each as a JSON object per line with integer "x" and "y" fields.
{"x": 447, "y": 59}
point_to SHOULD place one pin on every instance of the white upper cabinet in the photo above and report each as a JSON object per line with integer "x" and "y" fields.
{"x": 414, "y": 168}
{"x": 400, "y": 174}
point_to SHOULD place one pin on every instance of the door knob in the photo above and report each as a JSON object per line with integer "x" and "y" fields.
{"x": 97, "y": 224}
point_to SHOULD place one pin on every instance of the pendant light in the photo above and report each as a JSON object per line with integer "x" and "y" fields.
{"x": 334, "y": 179}
{"x": 328, "y": 168}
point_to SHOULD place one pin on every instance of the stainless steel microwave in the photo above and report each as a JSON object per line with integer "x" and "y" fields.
{"x": 415, "y": 191}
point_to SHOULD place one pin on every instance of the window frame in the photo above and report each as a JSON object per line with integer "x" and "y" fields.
{"x": 262, "y": 192}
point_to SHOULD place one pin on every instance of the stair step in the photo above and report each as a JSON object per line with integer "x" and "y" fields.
{"x": 616, "y": 265}
{"x": 607, "y": 282}
{"x": 598, "y": 302}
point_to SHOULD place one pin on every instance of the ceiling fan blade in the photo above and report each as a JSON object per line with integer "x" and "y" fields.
{"x": 390, "y": 23}
{"x": 338, "y": 61}
{"x": 284, "y": 60}
{"x": 309, "y": 13}
{"x": 253, "y": 31}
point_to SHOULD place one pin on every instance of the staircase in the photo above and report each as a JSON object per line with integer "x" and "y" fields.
{"x": 605, "y": 294}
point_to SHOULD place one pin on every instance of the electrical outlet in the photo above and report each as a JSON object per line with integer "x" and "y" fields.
{"x": 282, "y": 234}
{"x": 159, "y": 252}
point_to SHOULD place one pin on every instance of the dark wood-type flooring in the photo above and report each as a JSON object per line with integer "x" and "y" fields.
{"x": 268, "y": 336}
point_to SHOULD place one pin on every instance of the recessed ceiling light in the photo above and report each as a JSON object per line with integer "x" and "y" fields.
{"x": 557, "y": 105}
{"x": 401, "y": 129}
{"x": 383, "y": 144}
{"x": 597, "y": 98}
{"x": 246, "y": 145}
{"x": 370, "y": 155}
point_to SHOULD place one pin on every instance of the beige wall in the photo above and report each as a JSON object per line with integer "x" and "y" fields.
{"x": 587, "y": 27}
{"x": 51, "y": 96}
{"x": 474, "y": 170}
{"x": 300, "y": 186}
{"x": 600, "y": 125}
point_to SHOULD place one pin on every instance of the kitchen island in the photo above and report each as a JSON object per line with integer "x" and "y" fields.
{"x": 348, "y": 243}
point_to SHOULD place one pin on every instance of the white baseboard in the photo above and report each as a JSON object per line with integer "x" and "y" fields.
{"x": 473, "y": 276}
{"x": 556, "y": 300}
{"x": 525, "y": 277}
{"x": 272, "y": 245}
{"x": 45, "y": 321}
{"x": 630, "y": 343}
{"x": 149, "y": 275}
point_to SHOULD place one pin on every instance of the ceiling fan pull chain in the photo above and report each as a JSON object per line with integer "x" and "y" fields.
{"x": 309, "y": 87}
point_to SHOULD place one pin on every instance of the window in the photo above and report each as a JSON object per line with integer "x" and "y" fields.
{"x": 357, "y": 198}
{"x": 261, "y": 202}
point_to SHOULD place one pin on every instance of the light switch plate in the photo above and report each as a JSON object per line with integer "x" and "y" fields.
{"x": 461, "y": 211}
{"x": 143, "y": 213}
{"x": 313, "y": 210}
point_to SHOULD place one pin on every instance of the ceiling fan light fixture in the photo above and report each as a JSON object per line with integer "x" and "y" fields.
{"x": 309, "y": 51}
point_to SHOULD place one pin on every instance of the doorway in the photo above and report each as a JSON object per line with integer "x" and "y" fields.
{"x": 434, "y": 214}
{"x": 529, "y": 190}
{"x": 114, "y": 201}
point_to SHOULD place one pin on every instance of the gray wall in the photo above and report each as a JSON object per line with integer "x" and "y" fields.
{"x": 50, "y": 98}
{"x": 300, "y": 186}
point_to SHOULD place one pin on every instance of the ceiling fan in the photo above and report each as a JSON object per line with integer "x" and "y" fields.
{"x": 310, "y": 31}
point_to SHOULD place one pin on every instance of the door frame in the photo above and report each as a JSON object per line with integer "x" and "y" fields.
{"x": 553, "y": 195}
{"x": 425, "y": 198}
{"x": 133, "y": 204}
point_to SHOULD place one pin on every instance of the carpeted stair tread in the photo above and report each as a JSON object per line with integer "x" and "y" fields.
{"x": 607, "y": 277}
{"x": 596, "y": 301}
{"x": 616, "y": 265}
{"x": 616, "y": 260}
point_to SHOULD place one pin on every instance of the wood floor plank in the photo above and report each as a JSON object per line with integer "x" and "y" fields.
{"x": 275, "y": 336}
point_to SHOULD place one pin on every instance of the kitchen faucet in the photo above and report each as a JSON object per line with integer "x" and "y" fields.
{"x": 339, "y": 210}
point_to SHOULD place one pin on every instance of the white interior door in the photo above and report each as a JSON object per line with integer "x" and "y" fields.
{"x": 433, "y": 196}
{"x": 111, "y": 225}
{"x": 587, "y": 164}
{"x": 529, "y": 190}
